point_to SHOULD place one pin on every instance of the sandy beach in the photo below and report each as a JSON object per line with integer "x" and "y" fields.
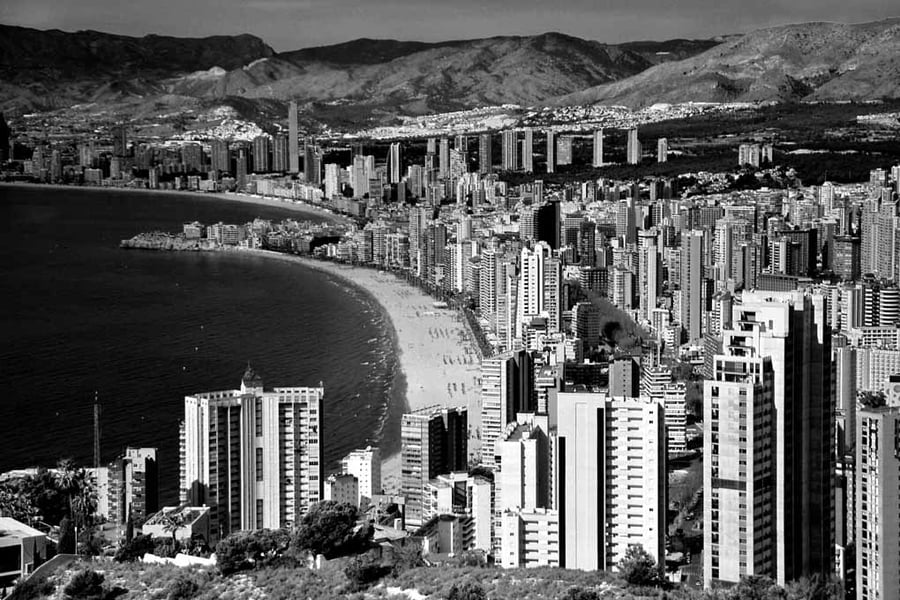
{"x": 298, "y": 207}
{"x": 437, "y": 354}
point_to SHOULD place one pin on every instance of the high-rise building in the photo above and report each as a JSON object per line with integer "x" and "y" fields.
{"x": 444, "y": 159}
{"x": 738, "y": 492}
{"x": 692, "y": 283}
{"x": 484, "y": 153}
{"x": 604, "y": 507}
{"x": 279, "y": 153}
{"x": 564, "y": 150}
{"x": 528, "y": 151}
{"x": 510, "y": 150}
{"x": 598, "y": 148}
{"x": 551, "y": 151}
{"x": 133, "y": 480}
{"x": 312, "y": 162}
{"x": 878, "y": 503}
{"x": 433, "y": 441}
{"x": 253, "y": 456}
{"x": 220, "y": 156}
{"x": 261, "y": 154}
{"x": 662, "y": 150}
{"x": 634, "y": 149}
{"x": 506, "y": 390}
{"x": 540, "y": 288}
{"x": 394, "y": 165}
{"x": 365, "y": 465}
{"x": 293, "y": 140}
{"x": 790, "y": 329}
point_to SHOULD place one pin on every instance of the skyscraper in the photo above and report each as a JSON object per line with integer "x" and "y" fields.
{"x": 293, "y": 140}
{"x": 662, "y": 150}
{"x": 484, "y": 153}
{"x": 877, "y": 501}
{"x": 312, "y": 162}
{"x": 634, "y": 150}
{"x": 506, "y": 390}
{"x": 692, "y": 283}
{"x": 551, "y": 151}
{"x": 394, "y": 165}
{"x": 444, "y": 159}
{"x": 539, "y": 288}
{"x": 133, "y": 485}
{"x": 365, "y": 465}
{"x": 253, "y": 456}
{"x": 604, "y": 508}
{"x": 790, "y": 329}
{"x": 528, "y": 152}
{"x": 279, "y": 153}
{"x": 598, "y": 148}
{"x": 261, "y": 154}
{"x": 433, "y": 441}
{"x": 510, "y": 150}
{"x": 738, "y": 499}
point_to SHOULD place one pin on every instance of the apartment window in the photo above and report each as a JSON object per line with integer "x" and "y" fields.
{"x": 259, "y": 464}
{"x": 258, "y": 411}
{"x": 259, "y": 513}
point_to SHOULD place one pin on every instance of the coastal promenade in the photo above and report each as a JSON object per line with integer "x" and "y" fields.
{"x": 437, "y": 354}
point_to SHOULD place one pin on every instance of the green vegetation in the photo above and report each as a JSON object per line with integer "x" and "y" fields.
{"x": 639, "y": 568}
{"x": 329, "y": 528}
{"x": 86, "y": 585}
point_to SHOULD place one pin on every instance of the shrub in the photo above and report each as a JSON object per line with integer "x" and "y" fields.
{"x": 66, "y": 544}
{"x": 253, "y": 549}
{"x": 579, "y": 593}
{"x": 135, "y": 549}
{"x": 85, "y": 585}
{"x": 185, "y": 586}
{"x": 467, "y": 590}
{"x": 362, "y": 571}
{"x": 28, "y": 589}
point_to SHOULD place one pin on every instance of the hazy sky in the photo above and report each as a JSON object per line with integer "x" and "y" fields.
{"x": 292, "y": 24}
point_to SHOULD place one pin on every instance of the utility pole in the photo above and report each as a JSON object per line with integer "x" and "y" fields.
{"x": 96, "y": 431}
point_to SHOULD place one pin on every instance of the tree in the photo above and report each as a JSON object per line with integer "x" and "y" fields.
{"x": 66, "y": 543}
{"x": 135, "y": 549}
{"x": 328, "y": 528}
{"x": 364, "y": 570}
{"x": 129, "y": 528}
{"x": 252, "y": 549}
{"x": 172, "y": 523}
{"x": 639, "y": 568}
{"x": 467, "y": 590}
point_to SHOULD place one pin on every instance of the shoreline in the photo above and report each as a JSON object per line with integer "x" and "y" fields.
{"x": 437, "y": 362}
{"x": 298, "y": 207}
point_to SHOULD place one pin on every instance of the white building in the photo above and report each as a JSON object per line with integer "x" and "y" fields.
{"x": 611, "y": 478}
{"x": 253, "y": 456}
{"x": 343, "y": 489}
{"x": 878, "y": 504}
{"x": 365, "y": 465}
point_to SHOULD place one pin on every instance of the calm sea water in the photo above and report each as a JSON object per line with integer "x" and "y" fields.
{"x": 143, "y": 329}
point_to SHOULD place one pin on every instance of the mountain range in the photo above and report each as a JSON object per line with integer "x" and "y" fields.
{"x": 42, "y": 70}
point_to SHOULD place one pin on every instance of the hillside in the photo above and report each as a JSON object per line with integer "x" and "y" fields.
{"x": 810, "y": 61}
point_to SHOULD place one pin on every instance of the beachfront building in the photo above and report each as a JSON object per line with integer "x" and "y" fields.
{"x": 365, "y": 465}
{"x": 132, "y": 485}
{"x": 253, "y": 456}
{"x": 434, "y": 440}
{"x": 506, "y": 390}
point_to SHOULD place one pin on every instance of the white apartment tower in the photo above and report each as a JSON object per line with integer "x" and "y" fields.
{"x": 253, "y": 456}
{"x": 598, "y": 148}
{"x": 611, "y": 489}
{"x": 878, "y": 504}
{"x": 539, "y": 291}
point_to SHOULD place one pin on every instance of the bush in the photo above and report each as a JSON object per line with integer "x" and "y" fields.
{"x": 579, "y": 593}
{"x": 135, "y": 549}
{"x": 362, "y": 571}
{"x": 185, "y": 586}
{"x": 28, "y": 589}
{"x": 85, "y": 585}
{"x": 467, "y": 590}
{"x": 253, "y": 549}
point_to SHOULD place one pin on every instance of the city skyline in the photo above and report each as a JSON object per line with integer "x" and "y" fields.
{"x": 294, "y": 24}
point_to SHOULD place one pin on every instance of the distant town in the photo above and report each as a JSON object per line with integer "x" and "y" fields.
{"x": 696, "y": 373}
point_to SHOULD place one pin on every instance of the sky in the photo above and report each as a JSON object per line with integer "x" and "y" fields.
{"x": 293, "y": 24}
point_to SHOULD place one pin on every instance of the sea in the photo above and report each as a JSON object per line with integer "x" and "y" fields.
{"x": 83, "y": 321}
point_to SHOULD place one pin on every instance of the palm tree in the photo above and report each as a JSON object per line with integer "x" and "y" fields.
{"x": 172, "y": 523}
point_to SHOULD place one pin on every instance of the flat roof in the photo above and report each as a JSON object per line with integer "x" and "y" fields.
{"x": 11, "y": 527}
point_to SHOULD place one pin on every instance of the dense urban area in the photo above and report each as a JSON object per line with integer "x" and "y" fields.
{"x": 689, "y": 376}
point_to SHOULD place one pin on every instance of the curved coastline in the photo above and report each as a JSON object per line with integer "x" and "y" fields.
{"x": 437, "y": 363}
{"x": 298, "y": 207}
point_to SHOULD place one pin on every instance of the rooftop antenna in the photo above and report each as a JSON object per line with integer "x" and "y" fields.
{"x": 96, "y": 430}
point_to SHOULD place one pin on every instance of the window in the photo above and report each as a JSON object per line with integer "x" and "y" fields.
{"x": 259, "y": 513}
{"x": 259, "y": 464}
{"x": 258, "y": 410}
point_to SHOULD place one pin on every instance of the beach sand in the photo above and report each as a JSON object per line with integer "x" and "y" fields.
{"x": 436, "y": 351}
